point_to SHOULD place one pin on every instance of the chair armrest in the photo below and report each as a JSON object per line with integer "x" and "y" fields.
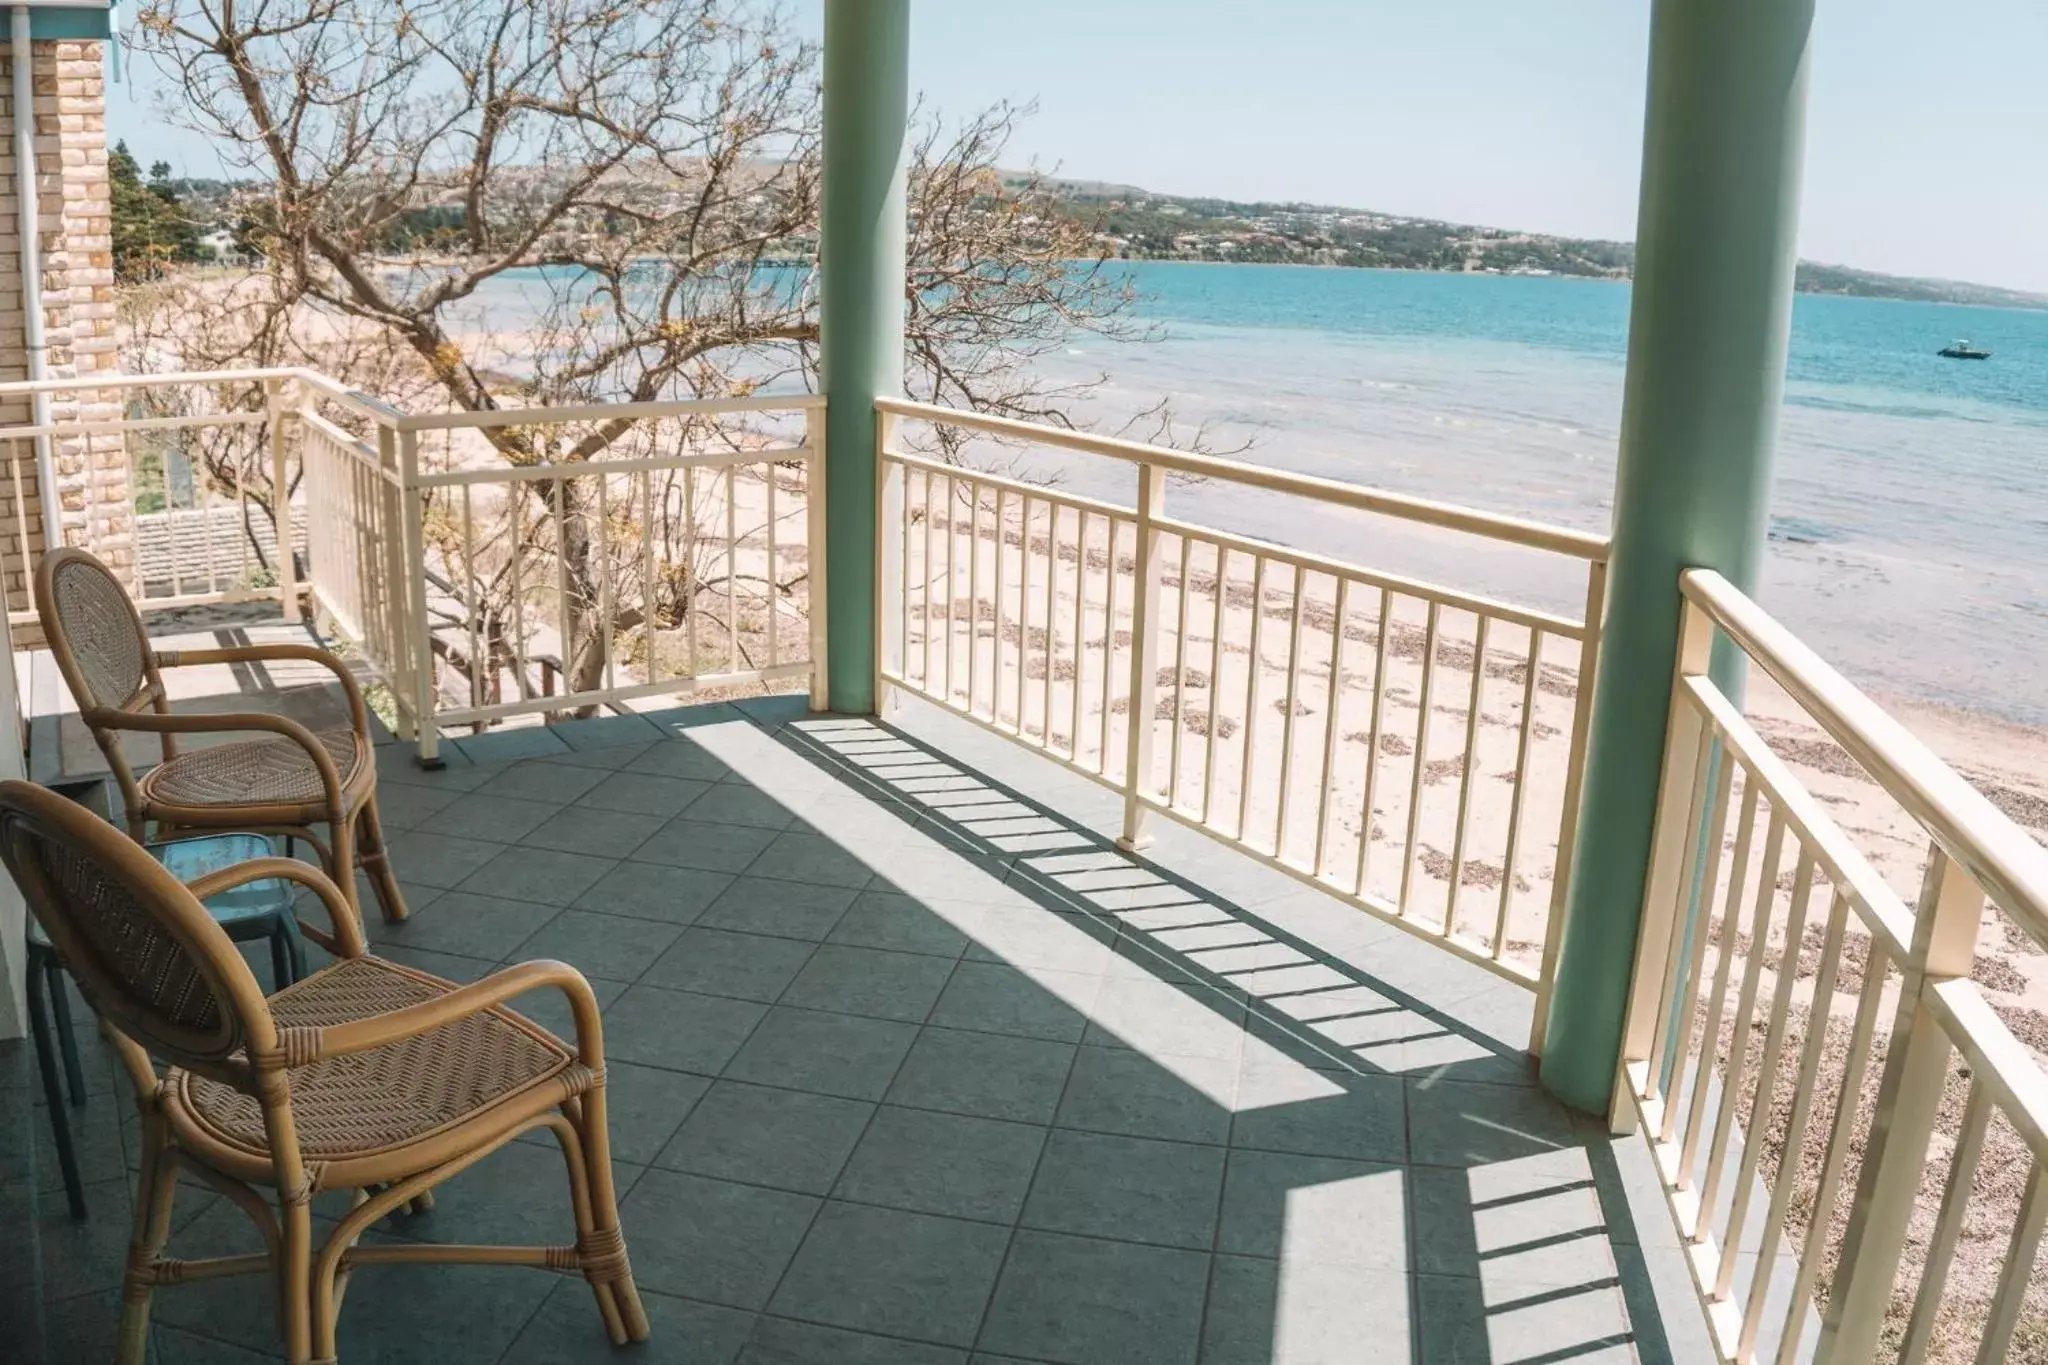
{"x": 236, "y": 654}
{"x": 348, "y": 931}
{"x": 323, "y": 762}
{"x": 360, "y": 1035}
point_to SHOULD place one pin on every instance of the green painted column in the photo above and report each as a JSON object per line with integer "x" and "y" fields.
{"x": 1708, "y": 329}
{"x": 861, "y": 266}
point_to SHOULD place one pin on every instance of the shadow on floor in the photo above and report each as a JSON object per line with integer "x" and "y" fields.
{"x": 907, "y": 1067}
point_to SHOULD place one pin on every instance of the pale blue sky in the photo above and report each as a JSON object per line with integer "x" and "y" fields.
{"x": 1928, "y": 151}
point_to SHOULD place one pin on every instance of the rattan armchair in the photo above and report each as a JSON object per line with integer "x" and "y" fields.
{"x": 284, "y": 780}
{"x": 367, "y": 1076}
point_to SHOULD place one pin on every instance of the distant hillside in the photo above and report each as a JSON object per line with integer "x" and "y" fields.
{"x": 1141, "y": 225}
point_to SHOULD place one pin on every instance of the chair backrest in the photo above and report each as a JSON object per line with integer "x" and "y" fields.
{"x": 143, "y": 950}
{"x": 96, "y": 636}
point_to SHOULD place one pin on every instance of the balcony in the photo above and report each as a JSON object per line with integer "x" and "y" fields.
{"x": 1155, "y": 978}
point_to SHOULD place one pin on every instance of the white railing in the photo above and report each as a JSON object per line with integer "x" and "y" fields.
{"x": 680, "y": 560}
{"x": 485, "y": 565}
{"x": 1412, "y": 748}
{"x": 1853, "y": 1143}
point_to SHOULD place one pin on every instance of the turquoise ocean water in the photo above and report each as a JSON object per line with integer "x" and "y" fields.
{"x": 1909, "y": 516}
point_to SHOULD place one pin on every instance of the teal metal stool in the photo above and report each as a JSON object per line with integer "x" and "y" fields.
{"x": 260, "y": 910}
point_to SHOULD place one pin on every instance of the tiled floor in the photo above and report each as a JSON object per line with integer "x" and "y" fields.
{"x": 910, "y": 1065}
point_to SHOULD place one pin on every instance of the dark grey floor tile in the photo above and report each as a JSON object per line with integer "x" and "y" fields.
{"x": 736, "y": 803}
{"x": 828, "y": 1054}
{"x": 1459, "y": 1123}
{"x": 678, "y": 1030}
{"x": 722, "y": 962}
{"x": 675, "y": 895}
{"x": 439, "y": 860}
{"x": 1368, "y": 1121}
{"x": 603, "y": 833}
{"x": 605, "y": 732}
{"x": 480, "y": 815}
{"x": 900, "y": 923}
{"x": 467, "y": 924}
{"x": 704, "y": 845}
{"x": 788, "y": 1139}
{"x": 1535, "y": 1228}
{"x": 680, "y": 757}
{"x": 778, "y": 1341}
{"x": 607, "y": 759}
{"x": 78, "y": 1329}
{"x": 398, "y": 763}
{"x": 518, "y": 1195}
{"x": 1458, "y": 1320}
{"x": 815, "y": 858}
{"x": 713, "y": 1240}
{"x": 984, "y": 1074}
{"x": 895, "y": 1273}
{"x": 548, "y": 876}
{"x": 757, "y": 905}
{"x": 469, "y": 1313}
{"x": 568, "y": 1331}
{"x": 550, "y": 1008}
{"x": 551, "y": 782}
{"x": 176, "y": 1346}
{"x": 1092, "y": 1302}
{"x": 504, "y": 745}
{"x": 1304, "y": 1313}
{"x": 79, "y": 1257}
{"x": 1137, "y": 1189}
{"x": 448, "y": 966}
{"x": 647, "y": 1105}
{"x": 609, "y": 946}
{"x": 870, "y": 981}
{"x": 992, "y": 997}
{"x": 1116, "y": 1091}
{"x": 1338, "y": 1212}
{"x": 643, "y": 794}
{"x": 943, "y": 1163}
{"x": 400, "y": 806}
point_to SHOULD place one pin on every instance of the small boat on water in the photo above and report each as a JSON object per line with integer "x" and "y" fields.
{"x": 1963, "y": 350}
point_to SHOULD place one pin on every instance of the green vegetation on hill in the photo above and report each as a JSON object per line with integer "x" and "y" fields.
{"x": 1140, "y": 225}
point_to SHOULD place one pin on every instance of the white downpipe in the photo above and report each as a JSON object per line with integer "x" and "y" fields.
{"x": 29, "y": 230}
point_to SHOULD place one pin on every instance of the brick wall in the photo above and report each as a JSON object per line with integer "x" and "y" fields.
{"x": 76, "y": 232}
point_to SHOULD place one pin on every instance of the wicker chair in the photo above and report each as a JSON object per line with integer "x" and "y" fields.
{"x": 284, "y": 782}
{"x": 367, "y": 1076}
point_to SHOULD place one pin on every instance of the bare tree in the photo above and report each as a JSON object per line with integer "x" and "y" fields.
{"x": 627, "y": 177}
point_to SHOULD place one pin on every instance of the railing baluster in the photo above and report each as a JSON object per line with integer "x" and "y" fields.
{"x": 1180, "y": 676}
{"x": 695, "y": 584}
{"x": 605, "y": 614}
{"x": 1253, "y": 667}
{"x": 282, "y": 416}
{"x": 2011, "y": 1299}
{"x": 1111, "y": 525}
{"x": 1530, "y": 691}
{"x": 1215, "y": 680}
{"x": 1474, "y": 710}
{"x": 1002, "y": 512}
{"x": 1144, "y": 685}
{"x": 1287, "y": 718}
{"x": 1717, "y": 998}
{"x": 1669, "y": 975}
{"x": 1333, "y": 705}
{"x": 769, "y": 589}
{"x": 1745, "y": 1011}
{"x": 732, "y": 568}
{"x": 1080, "y": 632}
{"x": 1698, "y": 915}
{"x": 903, "y": 565}
{"x": 516, "y": 499}
{"x": 1948, "y": 1225}
{"x": 1766, "y": 1076}
{"x": 1372, "y": 742}
{"x": 973, "y": 597}
{"x": 467, "y": 577}
{"x": 649, "y": 599}
{"x": 564, "y": 646}
{"x": 1430, "y": 636}
{"x": 1052, "y": 579}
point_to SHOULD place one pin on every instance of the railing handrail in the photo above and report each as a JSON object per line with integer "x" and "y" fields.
{"x": 2007, "y": 862}
{"x": 599, "y": 412}
{"x": 1516, "y": 530}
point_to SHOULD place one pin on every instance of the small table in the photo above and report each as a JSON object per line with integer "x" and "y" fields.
{"x": 259, "y": 910}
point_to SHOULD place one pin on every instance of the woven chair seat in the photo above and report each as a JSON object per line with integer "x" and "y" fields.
{"x": 371, "y": 1103}
{"x": 261, "y": 772}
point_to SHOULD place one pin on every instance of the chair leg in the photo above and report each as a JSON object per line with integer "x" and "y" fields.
{"x": 295, "y": 1280}
{"x": 618, "y": 1299}
{"x": 53, "y": 1094}
{"x": 156, "y": 1188}
{"x": 67, "y": 1040}
{"x": 376, "y": 862}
